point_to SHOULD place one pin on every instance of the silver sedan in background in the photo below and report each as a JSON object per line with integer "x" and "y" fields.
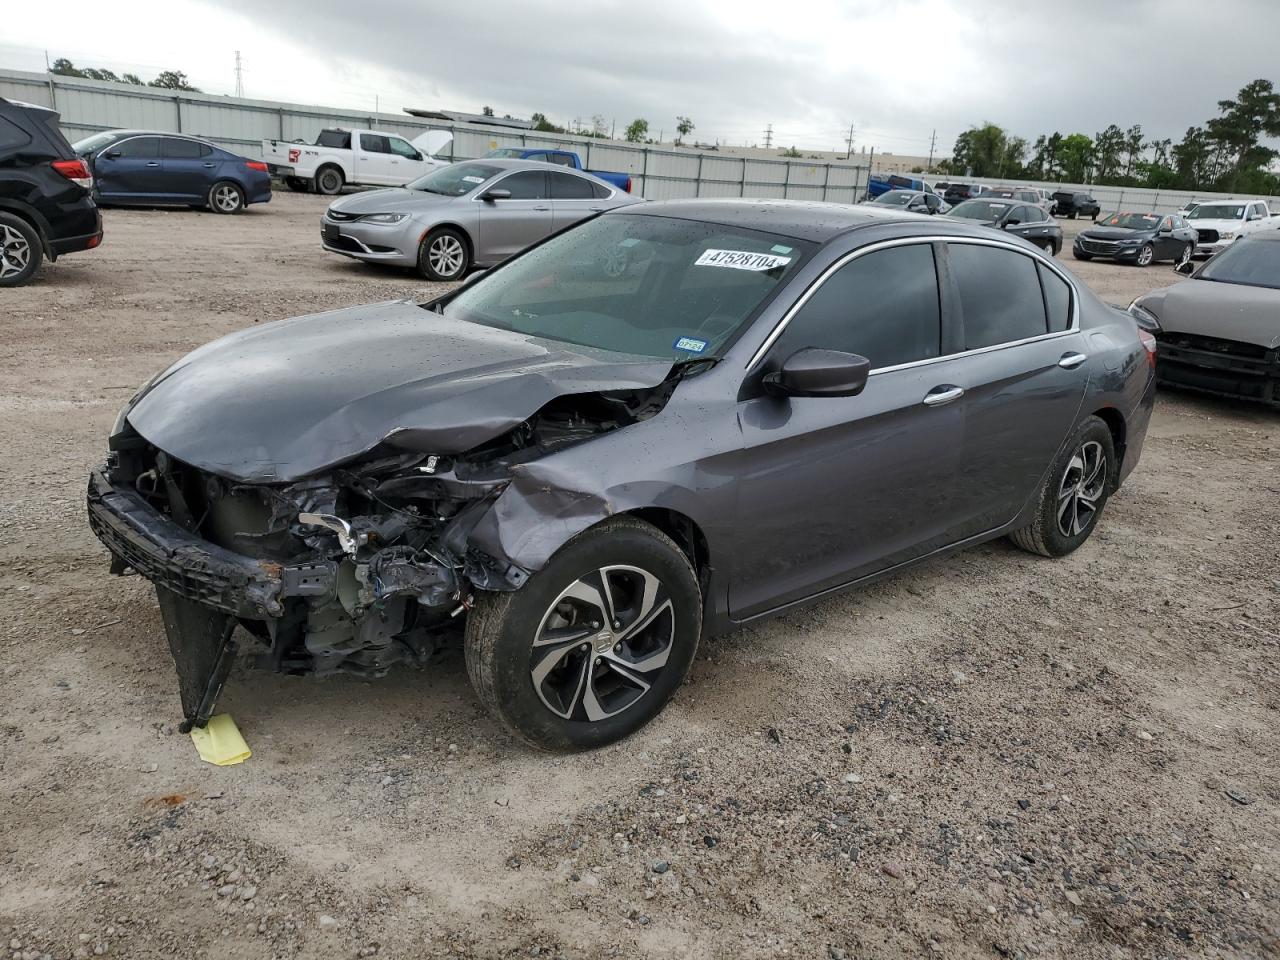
{"x": 472, "y": 214}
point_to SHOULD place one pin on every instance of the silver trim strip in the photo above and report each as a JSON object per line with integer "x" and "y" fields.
{"x": 906, "y": 241}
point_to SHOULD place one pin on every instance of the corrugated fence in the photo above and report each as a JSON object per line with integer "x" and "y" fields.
{"x": 88, "y": 106}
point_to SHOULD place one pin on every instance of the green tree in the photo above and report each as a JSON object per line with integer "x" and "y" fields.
{"x": 1075, "y": 156}
{"x": 684, "y": 127}
{"x": 987, "y": 151}
{"x": 132, "y": 78}
{"x": 543, "y": 125}
{"x": 173, "y": 80}
{"x": 790, "y": 151}
{"x": 1107, "y": 149}
{"x": 637, "y": 130}
{"x": 486, "y": 111}
{"x": 1194, "y": 159}
{"x": 1238, "y": 131}
{"x": 65, "y": 68}
{"x": 1134, "y": 145}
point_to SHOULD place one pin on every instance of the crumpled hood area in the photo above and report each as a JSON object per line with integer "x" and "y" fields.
{"x": 1231, "y": 311}
{"x": 285, "y": 400}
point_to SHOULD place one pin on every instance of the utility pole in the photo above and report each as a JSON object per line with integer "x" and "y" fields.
{"x": 768, "y": 136}
{"x": 239, "y": 76}
{"x": 848, "y": 144}
{"x": 933, "y": 141}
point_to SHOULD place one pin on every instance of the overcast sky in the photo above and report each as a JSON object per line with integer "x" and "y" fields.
{"x": 895, "y": 69}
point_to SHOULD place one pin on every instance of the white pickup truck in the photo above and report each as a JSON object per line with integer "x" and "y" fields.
{"x": 368, "y": 157}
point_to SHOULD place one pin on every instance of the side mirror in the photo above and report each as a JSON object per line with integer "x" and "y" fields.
{"x": 1012, "y": 223}
{"x": 1186, "y": 269}
{"x": 112, "y": 154}
{"x": 497, "y": 193}
{"x": 812, "y": 372}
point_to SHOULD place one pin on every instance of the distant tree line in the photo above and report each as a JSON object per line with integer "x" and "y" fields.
{"x": 1226, "y": 153}
{"x": 166, "y": 79}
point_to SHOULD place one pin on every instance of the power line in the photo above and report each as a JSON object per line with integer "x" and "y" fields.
{"x": 768, "y": 136}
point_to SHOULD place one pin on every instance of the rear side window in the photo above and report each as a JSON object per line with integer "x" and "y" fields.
{"x": 338, "y": 139}
{"x": 139, "y": 147}
{"x": 883, "y": 306}
{"x": 999, "y": 295}
{"x": 598, "y": 190}
{"x": 563, "y": 159}
{"x": 185, "y": 149}
{"x": 525, "y": 185}
{"x": 12, "y": 136}
{"x": 1057, "y": 299}
{"x": 374, "y": 143}
{"x": 565, "y": 186}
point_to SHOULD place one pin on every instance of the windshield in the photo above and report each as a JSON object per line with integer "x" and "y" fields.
{"x": 641, "y": 285}
{"x": 1255, "y": 263}
{"x": 94, "y": 143}
{"x": 1217, "y": 211}
{"x": 894, "y": 198}
{"x": 980, "y": 210}
{"x": 1132, "y": 221}
{"x": 455, "y": 180}
{"x": 504, "y": 153}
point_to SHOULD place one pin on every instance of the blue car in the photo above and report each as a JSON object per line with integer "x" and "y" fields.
{"x": 145, "y": 167}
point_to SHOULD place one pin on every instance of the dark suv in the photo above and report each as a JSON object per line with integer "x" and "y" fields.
{"x": 960, "y": 192}
{"x": 45, "y": 206}
{"x": 1072, "y": 204}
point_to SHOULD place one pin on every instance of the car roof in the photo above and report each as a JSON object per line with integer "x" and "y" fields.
{"x": 811, "y": 220}
{"x": 161, "y": 133}
{"x": 510, "y": 163}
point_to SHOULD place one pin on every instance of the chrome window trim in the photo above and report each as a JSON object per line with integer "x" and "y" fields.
{"x": 852, "y": 255}
{"x": 497, "y": 178}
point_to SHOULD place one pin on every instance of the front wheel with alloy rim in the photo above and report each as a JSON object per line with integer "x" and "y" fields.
{"x": 1146, "y": 255}
{"x": 1073, "y": 493}
{"x": 1185, "y": 256}
{"x": 594, "y": 644}
{"x": 443, "y": 255}
{"x": 225, "y": 197}
{"x": 20, "y": 251}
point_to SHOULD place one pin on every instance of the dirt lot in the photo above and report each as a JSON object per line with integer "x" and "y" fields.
{"x": 991, "y": 756}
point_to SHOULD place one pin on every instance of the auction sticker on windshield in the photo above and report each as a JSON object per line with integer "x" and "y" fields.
{"x": 741, "y": 260}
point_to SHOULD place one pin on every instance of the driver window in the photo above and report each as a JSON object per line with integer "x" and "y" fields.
{"x": 883, "y": 306}
{"x": 1166, "y": 224}
{"x": 403, "y": 148}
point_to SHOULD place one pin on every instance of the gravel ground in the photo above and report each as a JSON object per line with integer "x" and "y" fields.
{"x": 990, "y": 756}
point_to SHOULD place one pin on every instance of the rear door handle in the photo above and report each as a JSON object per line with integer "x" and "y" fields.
{"x": 943, "y": 394}
{"x": 1070, "y": 361}
{"x": 543, "y": 209}
{"x": 209, "y": 164}
{"x": 153, "y": 163}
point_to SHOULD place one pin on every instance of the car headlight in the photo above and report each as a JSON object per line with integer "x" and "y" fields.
{"x": 384, "y": 217}
{"x": 1143, "y": 317}
{"x": 1226, "y": 234}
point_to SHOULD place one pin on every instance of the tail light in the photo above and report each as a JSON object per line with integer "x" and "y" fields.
{"x": 77, "y": 171}
{"x": 627, "y": 187}
{"x": 256, "y": 165}
{"x": 1148, "y": 344}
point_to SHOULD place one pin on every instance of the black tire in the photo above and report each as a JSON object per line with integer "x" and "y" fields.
{"x": 1073, "y": 214}
{"x": 1081, "y": 256}
{"x": 1047, "y": 534}
{"x": 225, "y": 197}
{"x": 21, "y": 251}
{"x": 1146, "y": 256}
{"x": 329, "y": 180}
{"x": 503, "y": 627}
{"x": 444, "y": 255}
{"x": 298, "y": 184}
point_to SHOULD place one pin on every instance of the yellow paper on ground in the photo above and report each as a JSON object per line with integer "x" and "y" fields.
{"x": 220, "y": 742}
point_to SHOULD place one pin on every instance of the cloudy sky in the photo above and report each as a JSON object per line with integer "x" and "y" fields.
{"x": 897, "y": 70}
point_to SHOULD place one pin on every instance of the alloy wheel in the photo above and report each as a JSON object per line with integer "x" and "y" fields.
{"x": 603, "y": 643}
{"x": 15, "y": 251}
{"x": 446, "y": 255}
{"x": 1186, "y": 254}
{"x": 1145, "y": 256}
{"x": 226, "y": 198}
{"x": 1081, "y": 489}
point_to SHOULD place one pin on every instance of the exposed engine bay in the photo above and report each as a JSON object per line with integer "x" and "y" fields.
{"x": 354, "y": 569}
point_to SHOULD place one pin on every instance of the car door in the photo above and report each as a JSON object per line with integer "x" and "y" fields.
{"x": 130, "y": 169}
{"x": 1167, "y": 245}
{"x": 405, "y": 160}
{"x": 1016, "y": 222}
{"x": 373, "y": 160}
{"x": 836, "y": 488}
{"x": 1023, "y": 373}
{"x": 188, "y": 168}
{"x": 509, "y": 225}
{"x": 573, "y": 198}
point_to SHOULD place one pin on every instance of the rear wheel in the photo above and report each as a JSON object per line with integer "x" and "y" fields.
{"x": 1185, "y": 255}
{"x": 226, "y": 197}
{"x": 297, "y": 184}
{"x": 1073, "y": 493}
{"x": 1146, "y": 255}
{"x": 329, "y": 181}
{"x": 20, "y": 251}
{"x": 443, "y": 255}
{"x": 590, "y": 649}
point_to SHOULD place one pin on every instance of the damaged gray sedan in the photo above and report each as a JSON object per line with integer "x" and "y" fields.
{"x": 667, "y": 421}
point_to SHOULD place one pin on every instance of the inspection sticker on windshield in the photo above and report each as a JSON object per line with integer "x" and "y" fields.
{"x": 474, "y": 179}
{"x": 690, "y": 345}
{"x": 741, "y": 260}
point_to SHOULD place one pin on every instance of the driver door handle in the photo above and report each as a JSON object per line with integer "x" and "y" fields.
{"x": 153, "y": 163}
{"x": 943, "y": 394}
{"x": 1070, "y": 361}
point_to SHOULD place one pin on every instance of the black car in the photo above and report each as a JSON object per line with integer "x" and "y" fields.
{"x": 1141, "y": 238}
{"x": 1025, "y": 220}
{"x": 45, "y": 206}
{"x": 960, "y": 192}
{"x": 1069, "y": 203}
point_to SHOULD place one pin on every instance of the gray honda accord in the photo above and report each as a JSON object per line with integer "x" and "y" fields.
{"x": 671, "y": 420}
{"x": 465, "y": 215}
